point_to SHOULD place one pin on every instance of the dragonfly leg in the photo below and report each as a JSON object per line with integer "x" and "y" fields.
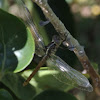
{"x": 43, "y": 23}
{"x": 41, "y": 63}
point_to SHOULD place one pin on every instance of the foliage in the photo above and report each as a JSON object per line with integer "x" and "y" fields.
{"x": 16, "y": 52}
{"x": 5, "y": 95}
{"x": 52, "y": 95}
{"x": 17, "y": 49}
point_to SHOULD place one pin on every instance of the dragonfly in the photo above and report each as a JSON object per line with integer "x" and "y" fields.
{"x": 67, "y": 74}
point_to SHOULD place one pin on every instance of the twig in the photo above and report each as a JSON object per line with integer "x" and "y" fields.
{"x": 70, "y": 41}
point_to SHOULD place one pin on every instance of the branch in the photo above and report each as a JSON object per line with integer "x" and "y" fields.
{"x": 70, "y": 41}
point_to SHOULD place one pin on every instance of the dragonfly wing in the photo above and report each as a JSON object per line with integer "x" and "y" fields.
{"x": 40, "y": 47}
{"x": 67, "y": 74}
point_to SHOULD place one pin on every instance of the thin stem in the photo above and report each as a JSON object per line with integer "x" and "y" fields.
{"x": 50, "y": 15}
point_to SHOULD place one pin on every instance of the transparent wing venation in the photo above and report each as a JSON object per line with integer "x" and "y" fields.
{"x": 40, "y": 47}
{"x": 67, "y": 74}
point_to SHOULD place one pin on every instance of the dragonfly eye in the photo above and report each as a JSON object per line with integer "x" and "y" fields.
{"x": 56, "y": 39}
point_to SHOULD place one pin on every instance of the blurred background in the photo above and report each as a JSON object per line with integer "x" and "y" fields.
{"x": 81, "y": 18}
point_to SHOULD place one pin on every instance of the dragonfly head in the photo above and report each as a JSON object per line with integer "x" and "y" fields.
{"x": 57, "y": 40}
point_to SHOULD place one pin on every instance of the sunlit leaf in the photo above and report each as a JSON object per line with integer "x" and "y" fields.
{"x": 45, "y": 80}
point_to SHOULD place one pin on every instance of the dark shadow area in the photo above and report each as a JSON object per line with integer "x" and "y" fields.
{"x": 54, "y": 95}
{"x": 14, "y": 82}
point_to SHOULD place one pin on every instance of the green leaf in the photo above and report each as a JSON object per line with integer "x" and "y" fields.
{"x": 16, "y": 44}
{"x": 15, "y": 83}
{"x": 26, "y": 53}
{"x": 45, "y": 80}
{"x": 54, "y": 95}
{"x": 5, "y": 95}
